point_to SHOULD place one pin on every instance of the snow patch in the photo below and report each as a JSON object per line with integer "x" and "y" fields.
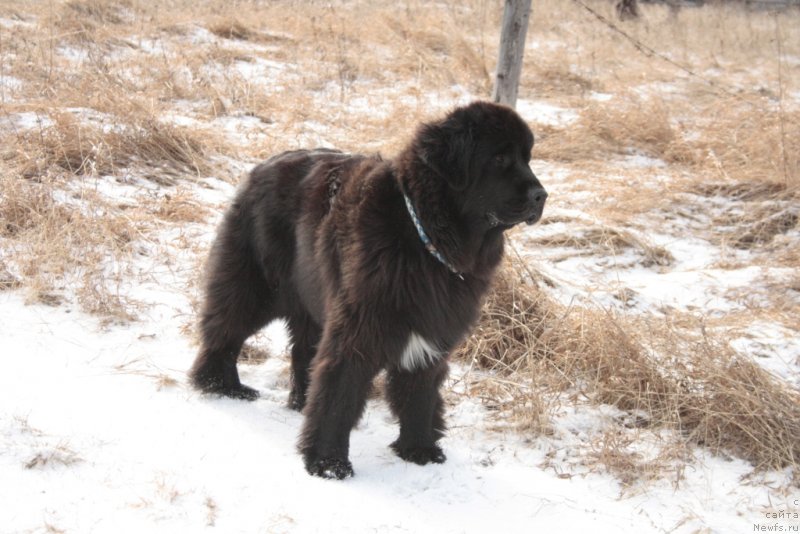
{"x": 10, "y": 84}
{"x": 544, "y": 113}
{"x": 28, "y": 120}
{"x": 774, "y": 347}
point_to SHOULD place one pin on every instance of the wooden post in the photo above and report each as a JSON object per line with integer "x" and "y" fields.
{"x": 512, "y": 48}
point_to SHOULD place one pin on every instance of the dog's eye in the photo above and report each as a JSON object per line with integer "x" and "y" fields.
{"x": 500, "y": 160}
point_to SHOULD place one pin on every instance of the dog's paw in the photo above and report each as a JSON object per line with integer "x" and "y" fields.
{"x": 420, "y": 455}
{"x": 297, "y": 401}
{"x": 215, "y": 385}
{"x": 240, "y": 392}
{"x": 330, "y": 468}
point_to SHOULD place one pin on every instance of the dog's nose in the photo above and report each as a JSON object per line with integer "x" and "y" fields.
{"x": 537, "y": 196}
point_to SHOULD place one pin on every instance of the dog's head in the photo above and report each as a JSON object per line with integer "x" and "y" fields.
{"x": 483, "y": 152}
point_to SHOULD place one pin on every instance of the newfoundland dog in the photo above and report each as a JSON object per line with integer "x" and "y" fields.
{"x": 375, "y": 265}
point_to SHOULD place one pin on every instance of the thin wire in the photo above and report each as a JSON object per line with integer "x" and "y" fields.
{"x": 651, "y": 52}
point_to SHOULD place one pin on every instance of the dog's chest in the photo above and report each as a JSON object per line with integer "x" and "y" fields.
{"x": 419, "y": 353}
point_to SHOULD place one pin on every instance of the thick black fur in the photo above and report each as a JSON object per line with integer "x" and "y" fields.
{"x": 324, "y": 240}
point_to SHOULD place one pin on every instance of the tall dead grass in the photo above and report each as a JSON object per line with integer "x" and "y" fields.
{"x": 749, "y": 144}
{"x": 50, "y": 240}
{"x": 76, "y": 147}
{"x": 605, "y": 241}
{"x": 690, "y": 383}
{"x": 627, "y": 124}
{"x": 730, "y": 140}
{"x": 60, "y": 233}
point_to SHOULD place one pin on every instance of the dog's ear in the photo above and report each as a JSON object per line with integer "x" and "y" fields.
{"x": 447, "y": 147}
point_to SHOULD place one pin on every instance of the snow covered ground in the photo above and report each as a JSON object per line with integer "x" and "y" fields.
{"x": 98, "y": 433}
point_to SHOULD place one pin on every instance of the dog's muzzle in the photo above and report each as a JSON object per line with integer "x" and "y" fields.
{"x": 529, "y": 212}
{"x": 536, "y": 199}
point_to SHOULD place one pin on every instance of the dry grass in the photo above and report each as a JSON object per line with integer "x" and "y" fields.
{"x": 61, "y": 454}
{"x": 99, "y": 296}
{"x": 749, "y": 144}
{"x": 48, "y": 452}
{"x": 53, "y": 242}
{"x": 7, "y": 278}
{"x": 665, "y": 377}
{"x": 180, "y": 206}
{"x": 756, "y": 215}
{"x": 253, "y": 355}
{"x": 233, "y": 28}
{"x": 734, "y": 142}
{"x": 618, "y": 451}
{"x": 211, "y": 511}
{"x": 72, "y": 146}
{"x": 96, "y": 11}
{"x": 605, "y": 241}
{"x": 623, "y": 125}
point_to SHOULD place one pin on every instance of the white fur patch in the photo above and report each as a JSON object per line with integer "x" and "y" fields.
{"x": 419, "y": 353}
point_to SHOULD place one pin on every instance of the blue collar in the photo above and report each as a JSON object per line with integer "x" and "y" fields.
{"x": 427, "y": 240}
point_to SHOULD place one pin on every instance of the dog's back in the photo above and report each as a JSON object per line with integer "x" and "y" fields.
{"x": 267, "y": 207}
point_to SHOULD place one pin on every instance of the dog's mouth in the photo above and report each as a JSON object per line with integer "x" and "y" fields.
{"x": 529, "y": 217}
{"x": 533, "y": 220}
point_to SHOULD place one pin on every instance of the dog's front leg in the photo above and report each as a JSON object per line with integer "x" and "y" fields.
{"x": 415, "y": 399}
{"x": 340, "y": 382}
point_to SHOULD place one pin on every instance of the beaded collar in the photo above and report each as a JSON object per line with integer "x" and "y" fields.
{"x": 427, "y": 240}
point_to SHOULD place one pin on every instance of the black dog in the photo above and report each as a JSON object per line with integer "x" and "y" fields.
{"x": 375, "y": 265}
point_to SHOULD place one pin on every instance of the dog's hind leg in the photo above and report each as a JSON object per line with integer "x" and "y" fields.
{"x": 305, "y": 335}
{"x": 415, "y": 399}
{"x": 239, "y": 301}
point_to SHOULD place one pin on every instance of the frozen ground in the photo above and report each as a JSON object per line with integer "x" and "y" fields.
{"x": 99, "y": 434}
